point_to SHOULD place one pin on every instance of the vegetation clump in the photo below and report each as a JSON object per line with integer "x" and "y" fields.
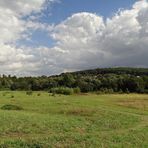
{"x": 12, "y": 96}
{"x": 11, "y": 107}
{"x": 29, "y": 93}
{"x": 38, "y": 94}
{"x": 106, "y": 91}
{"x": 62, "y": 90}
{"x": 76, "y": 90}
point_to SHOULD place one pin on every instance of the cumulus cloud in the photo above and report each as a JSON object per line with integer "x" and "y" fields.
{"x": 11, "y": 13}
{"x": 77, "y": 40}
{"x": 14, "y": 27}
{"x": 22, "y": 7}
{"x": 84, "y": 40}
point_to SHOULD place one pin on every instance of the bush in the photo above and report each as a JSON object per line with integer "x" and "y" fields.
{"x": 29, "y": 93}
{"x": 12, "y": 96}
{"x": 105, "y": 91}
{"x": 76, "y": 90}
{"x": 11, "y": 107}
{"x": 38, "y": 94}
{"x": 62, "y": 90}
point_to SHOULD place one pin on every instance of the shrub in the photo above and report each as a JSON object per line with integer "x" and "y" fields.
{"x": 120, "y": 91}
{"x": 11, "y": 107}
{"x": 105, "y": 91}
{"x": 53, "y": 94}
{"x": 38, "y": 94}
{"x": 76, "y": 90}
{"x": 29, "y": 93}
{"x": 12, "y": 96}
{"x": 62, "y": 90}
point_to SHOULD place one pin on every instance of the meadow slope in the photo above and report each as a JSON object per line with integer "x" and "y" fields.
{"x": 85, "y": 120}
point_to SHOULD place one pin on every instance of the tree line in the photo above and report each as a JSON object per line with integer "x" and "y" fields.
{"x": 98, "y": 80}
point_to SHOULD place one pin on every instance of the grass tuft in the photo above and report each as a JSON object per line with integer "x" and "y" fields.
{"x": 11, "y": 107}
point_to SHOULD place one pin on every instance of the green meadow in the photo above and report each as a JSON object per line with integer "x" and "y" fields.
{"x": 41, "y": 120}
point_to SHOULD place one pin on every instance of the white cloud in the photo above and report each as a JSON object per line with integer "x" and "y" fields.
{"x": 77, "y": 38}
{"x": 22, "y": 7}
{"x": 83, "y": 41}
{"x": 11, "y": 13}
{"x": 15, "y": 60}
{"x": 14, "y": 27}
{"x": 125, "y": 36}
{"x": 10, "y": 25}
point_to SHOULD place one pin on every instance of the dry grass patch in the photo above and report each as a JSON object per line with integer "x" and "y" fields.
{"x": 141, "y": 104}
{"x": 79, "y": 112}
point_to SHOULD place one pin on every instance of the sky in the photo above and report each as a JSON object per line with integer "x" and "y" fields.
{"x": 47, "y": 37}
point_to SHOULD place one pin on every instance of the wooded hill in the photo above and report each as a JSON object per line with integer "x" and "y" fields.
{"x": 107, "y": 80}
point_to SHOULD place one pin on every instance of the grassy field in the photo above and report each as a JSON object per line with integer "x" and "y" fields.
{"x": 87, "y": 120}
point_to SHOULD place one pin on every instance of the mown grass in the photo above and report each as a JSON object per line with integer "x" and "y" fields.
{"x": 88, "y": 120}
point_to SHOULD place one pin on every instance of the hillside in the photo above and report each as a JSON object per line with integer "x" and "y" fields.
{"x": 106, "y": 80}
{"x": 118, "y": 70}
